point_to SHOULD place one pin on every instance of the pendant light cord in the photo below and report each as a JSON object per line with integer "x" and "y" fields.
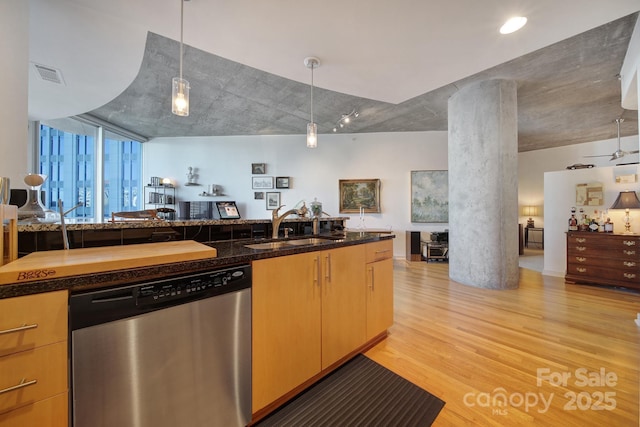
{"x": 312, "y": 67}
{"x": 181, "y": 32}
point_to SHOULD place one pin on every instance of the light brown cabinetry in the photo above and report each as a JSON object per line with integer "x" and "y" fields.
{"x": 33, "y": 360}
{"x": 308, "y": 312}
{"x": 379, "y": 257}
{"x": 603, "y": 258}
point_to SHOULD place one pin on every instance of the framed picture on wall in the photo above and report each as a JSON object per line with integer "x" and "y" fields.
{"x": 258, "y": 168}
{"x": 282, "y": 182}
{"x": 262, "y": 182}
{"x": 358, "y": 195}
{"x": 430, "y": 196}
{"x": 273, "y": 200}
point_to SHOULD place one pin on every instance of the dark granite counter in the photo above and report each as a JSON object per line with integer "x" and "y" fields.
{"x": 76, "y": 225}
{"x": 231, "y": 252}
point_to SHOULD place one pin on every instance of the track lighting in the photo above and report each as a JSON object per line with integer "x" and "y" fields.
{"x": 345, "y": 119}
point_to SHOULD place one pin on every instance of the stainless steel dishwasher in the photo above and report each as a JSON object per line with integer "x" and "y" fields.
{"x": 167, "y": 353}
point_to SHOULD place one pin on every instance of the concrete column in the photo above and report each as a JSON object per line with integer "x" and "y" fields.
{"x": 483, "y": 185}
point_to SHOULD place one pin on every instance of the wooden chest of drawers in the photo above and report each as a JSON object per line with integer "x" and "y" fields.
{"x": 603, "y": 258}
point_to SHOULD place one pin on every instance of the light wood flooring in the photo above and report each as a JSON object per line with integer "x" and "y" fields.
{"x": 471, "y": 347}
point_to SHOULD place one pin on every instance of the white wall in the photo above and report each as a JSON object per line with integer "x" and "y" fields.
{"x": 14, "y": 49}
{"x": 226, "y": 161}
{"x": 533, "y": 164}
{"x": 560, "y": 196}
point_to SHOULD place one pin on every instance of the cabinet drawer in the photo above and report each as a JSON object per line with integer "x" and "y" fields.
{"x": 379, "y": 250}
{"x": 617, "y": 251}
{"x": 31, "y": 321}
{"x": 51, "y": 412}
{"x": 47, "y": 365}
{"x": 591, "y": 273}
{"x": 596, "y": 261}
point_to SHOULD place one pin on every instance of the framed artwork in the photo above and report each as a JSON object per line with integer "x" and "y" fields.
{"x": 273, "y": 200}
{"x": 282, "y": 182}
{"x": 258, "y": 195}
{"x": 429, "y": 196}
{"x": 258, "y": 168}
{"x": 262, "y": 182}
{"x": 591, "y": 194}
{"x": 359, "y": 195}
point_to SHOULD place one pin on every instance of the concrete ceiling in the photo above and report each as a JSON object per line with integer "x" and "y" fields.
{"x": 244, "y": 61}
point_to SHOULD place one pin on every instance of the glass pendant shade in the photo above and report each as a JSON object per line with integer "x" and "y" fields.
{"x": 312, "y": 135}
{"x": 180, "y": 96}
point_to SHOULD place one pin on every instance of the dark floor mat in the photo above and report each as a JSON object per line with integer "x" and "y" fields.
{"x": 360, "y": 393}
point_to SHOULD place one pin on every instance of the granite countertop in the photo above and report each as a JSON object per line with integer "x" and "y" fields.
{"x": 229, "y": 252}
{"x": 72, "y": 225}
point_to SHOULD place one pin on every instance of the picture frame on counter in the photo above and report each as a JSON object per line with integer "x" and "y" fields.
{"x": 273, "y": 200}
{"x": 282, "y": 182}
{"x": 359, "y": 195}
{"x": 258, "y": 168}
{"x": 262, "y": 182}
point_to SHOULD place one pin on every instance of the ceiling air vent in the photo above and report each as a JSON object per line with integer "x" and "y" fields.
{"x": 49, "y": 74}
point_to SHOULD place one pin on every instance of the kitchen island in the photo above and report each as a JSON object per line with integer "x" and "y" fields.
{"x": 345, "y": 282}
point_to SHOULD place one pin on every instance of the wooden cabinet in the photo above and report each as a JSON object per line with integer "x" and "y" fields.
{"x": 603, "y": 258}
{"x": 308, "y": 313}
{"x": 33, "y": 360}
{"x": 379, "y": 269}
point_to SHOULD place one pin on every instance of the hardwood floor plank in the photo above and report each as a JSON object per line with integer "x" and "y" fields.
{"x": 554, "y": 350}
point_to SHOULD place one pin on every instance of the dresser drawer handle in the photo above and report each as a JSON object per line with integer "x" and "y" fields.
{"x": 629, "y": 275}
{"x": 581, "y": 259}
{"x": 629, "y": 264}
{"x": 629, "y": 242}
{"x": 581, "y": 248}
{"x": 581, "y": 269}
{"x": 580, "y": 239}
{"x": 23, "y": 383}
{"x": 629, "y": 252}
{"x": 383, "y": 251}
{"x": 19, "y": 328}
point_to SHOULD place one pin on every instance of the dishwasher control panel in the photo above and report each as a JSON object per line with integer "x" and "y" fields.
{"x": 197, "y": 285}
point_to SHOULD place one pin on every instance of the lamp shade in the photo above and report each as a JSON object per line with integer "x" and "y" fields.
{"x": 530, "y": 211}
{"x": 626, "y": 200}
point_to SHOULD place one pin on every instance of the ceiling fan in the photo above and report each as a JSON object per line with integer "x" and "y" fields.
{"x": 619, "y": 153}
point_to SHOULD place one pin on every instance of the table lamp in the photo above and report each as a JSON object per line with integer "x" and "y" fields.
{"x": 626, "y": 200}
{"x": 530, "y": 211}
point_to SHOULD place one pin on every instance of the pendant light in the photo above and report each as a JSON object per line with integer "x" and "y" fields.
{"x": 312, "y": 128}
{"x": 179, "y": 86}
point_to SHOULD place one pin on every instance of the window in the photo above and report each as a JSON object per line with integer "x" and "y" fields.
{"x": 69, "y": 152}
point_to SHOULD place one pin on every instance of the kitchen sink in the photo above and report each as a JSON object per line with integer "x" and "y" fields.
{"x": 267, "y": 245}
{"x": 309, "y": 241}
{"x": 280, "y": 244}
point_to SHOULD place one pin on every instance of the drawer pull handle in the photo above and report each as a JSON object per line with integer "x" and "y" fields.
{"x": 581, "y": 259}
{"x": 19, "y": 329}
{"x": 23, "y": 383}
{"x": 629, "y": 264}
{"x": 629, "y": 275}
{"x": 629, "y": 242}
{"x": 581, "y": 269}
{"x": 580, "y": 240}
{"x": 383, "y": 251}
{"x": 581, "y": 248}
{"x": 629, "y": 252}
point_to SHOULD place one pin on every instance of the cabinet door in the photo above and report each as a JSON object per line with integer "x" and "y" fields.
{"x": 286, "y": 304}
{"x": 379, "y": 297}
{"x": 343, "y": 302}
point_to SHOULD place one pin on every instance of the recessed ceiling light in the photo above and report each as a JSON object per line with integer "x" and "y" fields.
{"x": 513, "y": 24}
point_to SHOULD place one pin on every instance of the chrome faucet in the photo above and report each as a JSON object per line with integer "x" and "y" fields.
{"x": 277, "y": 220}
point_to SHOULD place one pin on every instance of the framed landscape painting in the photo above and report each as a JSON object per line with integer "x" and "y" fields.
{"x": 429, "y": 196}
{"x": 357, "y": 194}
